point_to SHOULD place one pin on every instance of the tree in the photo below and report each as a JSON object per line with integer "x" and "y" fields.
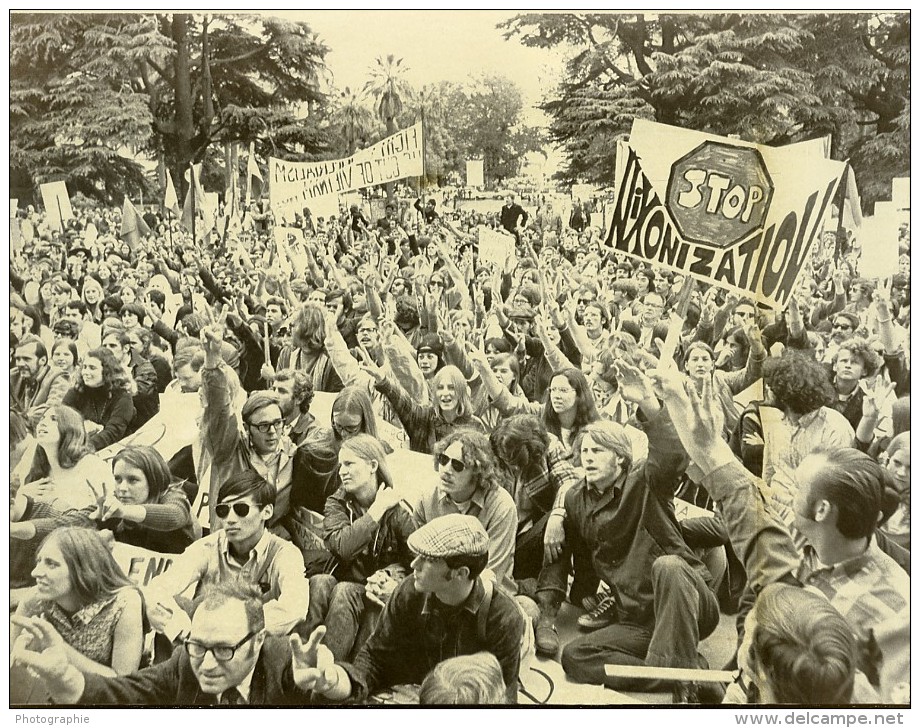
{"x": 85, "y": 86}
{"x": 388, "y": 85}
{"x": 73, "y": 107}
{"x": 769, "y": 78}
{"x": 352, "y": 122}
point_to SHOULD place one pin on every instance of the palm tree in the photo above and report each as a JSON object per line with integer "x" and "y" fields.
{"x": 388, "y": 85}
{"x": 353, "y": 118}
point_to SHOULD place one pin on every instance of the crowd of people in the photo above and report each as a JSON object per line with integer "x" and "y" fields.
{"x": 569, "y": 400}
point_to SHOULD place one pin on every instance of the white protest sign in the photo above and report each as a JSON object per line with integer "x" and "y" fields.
{"x": 597, "y": 219}
{"x": 583, "y": 192}
{"x": 731, "y": 213}
{"x": 475, "y": 176}
{"x": 140, "y": 565}
{"x": 57, "y": 204}
{"x": 494, "y": 247}
{"x": 900, "y": 192}
{"x": 299, "y": 184}
{"x": 878, "y": 237}
{"x": 14, "y": 205}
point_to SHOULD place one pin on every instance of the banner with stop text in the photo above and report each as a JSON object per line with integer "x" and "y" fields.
{"x": 298, "y": 184}
{"x": 738, "y": 215}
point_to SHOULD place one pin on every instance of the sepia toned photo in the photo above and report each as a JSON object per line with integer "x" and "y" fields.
{"x": 397, "y": 358}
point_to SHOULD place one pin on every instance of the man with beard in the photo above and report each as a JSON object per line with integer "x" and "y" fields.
{"x": 35, "y": 384}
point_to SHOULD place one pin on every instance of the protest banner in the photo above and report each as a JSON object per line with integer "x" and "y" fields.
{"x": 299, "y": 184}
{"x": 14, "y": 205}
{"x": 139, "y": 564}
{"x": 878, "y": 237}
{"x": 900, "y": 192}
{"x": 494, "y": 247}
{"x": 56, "y": 200}
{"x": 735, "y": 214}
{"x": 475, "y": 174}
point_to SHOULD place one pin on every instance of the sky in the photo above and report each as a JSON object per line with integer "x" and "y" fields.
{"x": 436, "y": 45}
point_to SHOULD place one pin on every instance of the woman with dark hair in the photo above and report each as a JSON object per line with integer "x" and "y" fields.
{"x": 700, "y": 366}
{"x": 146, "y": 508}
{"x": 307, "y": 351}
{"x": 540, "y": 475}
{"x": 897, "y": 460}
{"x": 83, "y": 602}
{"x": 102, "y": 393}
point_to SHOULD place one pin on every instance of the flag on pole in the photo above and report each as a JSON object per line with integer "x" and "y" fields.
{"x": 201, "y": 206}
{"x": 171, "y": 201}
{"x": 252, "y": 170}
{"x": 133, "y": 227}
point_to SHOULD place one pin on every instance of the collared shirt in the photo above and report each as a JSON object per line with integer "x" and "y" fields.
{"x": 495, "y": 510}
{"x": 545, "y": 488}
{"x": 416, "y": 631}
{"x": 244, "y": 688}
{"x": 274, "y": 564}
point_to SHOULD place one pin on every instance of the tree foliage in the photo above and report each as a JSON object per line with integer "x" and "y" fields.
{"x": 768, "y": 78}
{"x": 83, "y": 86}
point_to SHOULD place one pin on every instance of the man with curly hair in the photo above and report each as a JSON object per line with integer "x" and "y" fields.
{"x": 469, "y": 484}
{"x": 800, "y": 389}
{"x": 855, "y": 360}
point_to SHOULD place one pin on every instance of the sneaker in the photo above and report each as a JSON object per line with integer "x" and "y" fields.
{"x": 603, "y": 615}
{"x": 546, "y": 638}
{"x": 589, "y": 604}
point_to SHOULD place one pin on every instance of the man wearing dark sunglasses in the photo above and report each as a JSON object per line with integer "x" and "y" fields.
{"x": 243, "y": 549}
{"x": 227, "y": 659}
{"x": 468, "y": 484}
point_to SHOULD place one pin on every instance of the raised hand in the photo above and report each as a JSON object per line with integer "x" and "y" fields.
{"x": 370, "y": 366}
{"x": 875, "y": 396}
{"x": 42, "y": 651}
{"x": 312, "y": 664}
{"x": 634, "y": 386}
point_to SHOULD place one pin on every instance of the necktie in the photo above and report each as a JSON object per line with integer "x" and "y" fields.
{"x": 231, "y": 697}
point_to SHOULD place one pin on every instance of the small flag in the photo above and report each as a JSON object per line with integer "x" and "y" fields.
{"x": 133, "y": 227}
{"x": 252, "y": 170}
{"x": 171, "y": 201}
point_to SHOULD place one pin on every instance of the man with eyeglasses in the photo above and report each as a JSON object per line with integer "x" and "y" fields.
{"x": 227, "y": 659}
{"x": 240, "y": 548}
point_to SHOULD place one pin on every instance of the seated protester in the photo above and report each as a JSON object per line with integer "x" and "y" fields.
{"x": 448, "y": 607}
{"x": 261, "y": 445}
{"x": 240, "y": 548}
{"x": 147, "y": 397}
{"x": 825, "y": 542}
{"x": 897, "y": 461}
{"x": 353, "y": 413}
{"x": 699, "y": 364}
{"x": 855, "y": 361}
{"x": 470, "y": 483}
{"x": 66, "y": 357}
{"x": 620, "y": 527}
{"x": 295, "y": 393}
{"x": 146, "y": 508}
{"x": 101, "y": 393}
{"x": 464, "y": 680}
{"x": 539, "y": 475}
{"x": 228, "y": 660}
{"x": 36, "y": 383}
{"x": 142, "y": 345}
{"x": 450, "y": 407}
{"x": 306, "y": 352}
{"x": 84, "y": 605}
{"x": 366, "y": 525}
{"x": 798, "y": 387}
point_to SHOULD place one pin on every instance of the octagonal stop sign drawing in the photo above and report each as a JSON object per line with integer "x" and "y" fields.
{"x": 718, "y": 194}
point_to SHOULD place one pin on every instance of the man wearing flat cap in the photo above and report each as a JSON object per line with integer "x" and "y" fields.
{"x": 445, "y": 608}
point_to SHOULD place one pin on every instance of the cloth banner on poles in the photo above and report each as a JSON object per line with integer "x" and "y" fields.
{"x": 298, "y": 184}
{"x": 171, "y": 199}
{"x": 475, "y": 174}
{"x": 57, "y": 204}
{"x": 133, "y": 227}
{"x": 735, "y": 214}
{"x": 879, "y": 239}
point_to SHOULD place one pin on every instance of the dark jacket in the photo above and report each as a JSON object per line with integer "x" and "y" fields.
{"x": 617, "y": 536}
{"x": 361, "y": 545}
{"x": 113, "y": 409}
{"x": 173, "y": 682}
{"x": 415, "y": 632}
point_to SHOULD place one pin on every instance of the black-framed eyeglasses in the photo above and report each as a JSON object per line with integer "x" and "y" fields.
{"x": 264, "y": 427}
{"x": 241, "y": 509}
{"x": 585, "y": 301}
{"x": 458, "y": 465}
{"x": 842, "y": 326}
{"x": 349, "y": 430}
{"x": 222, "y": 653}
{"x": 367, "y": 331}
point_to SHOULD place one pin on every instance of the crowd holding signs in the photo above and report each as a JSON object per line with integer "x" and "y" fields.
{"x": 340, "y": 450}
